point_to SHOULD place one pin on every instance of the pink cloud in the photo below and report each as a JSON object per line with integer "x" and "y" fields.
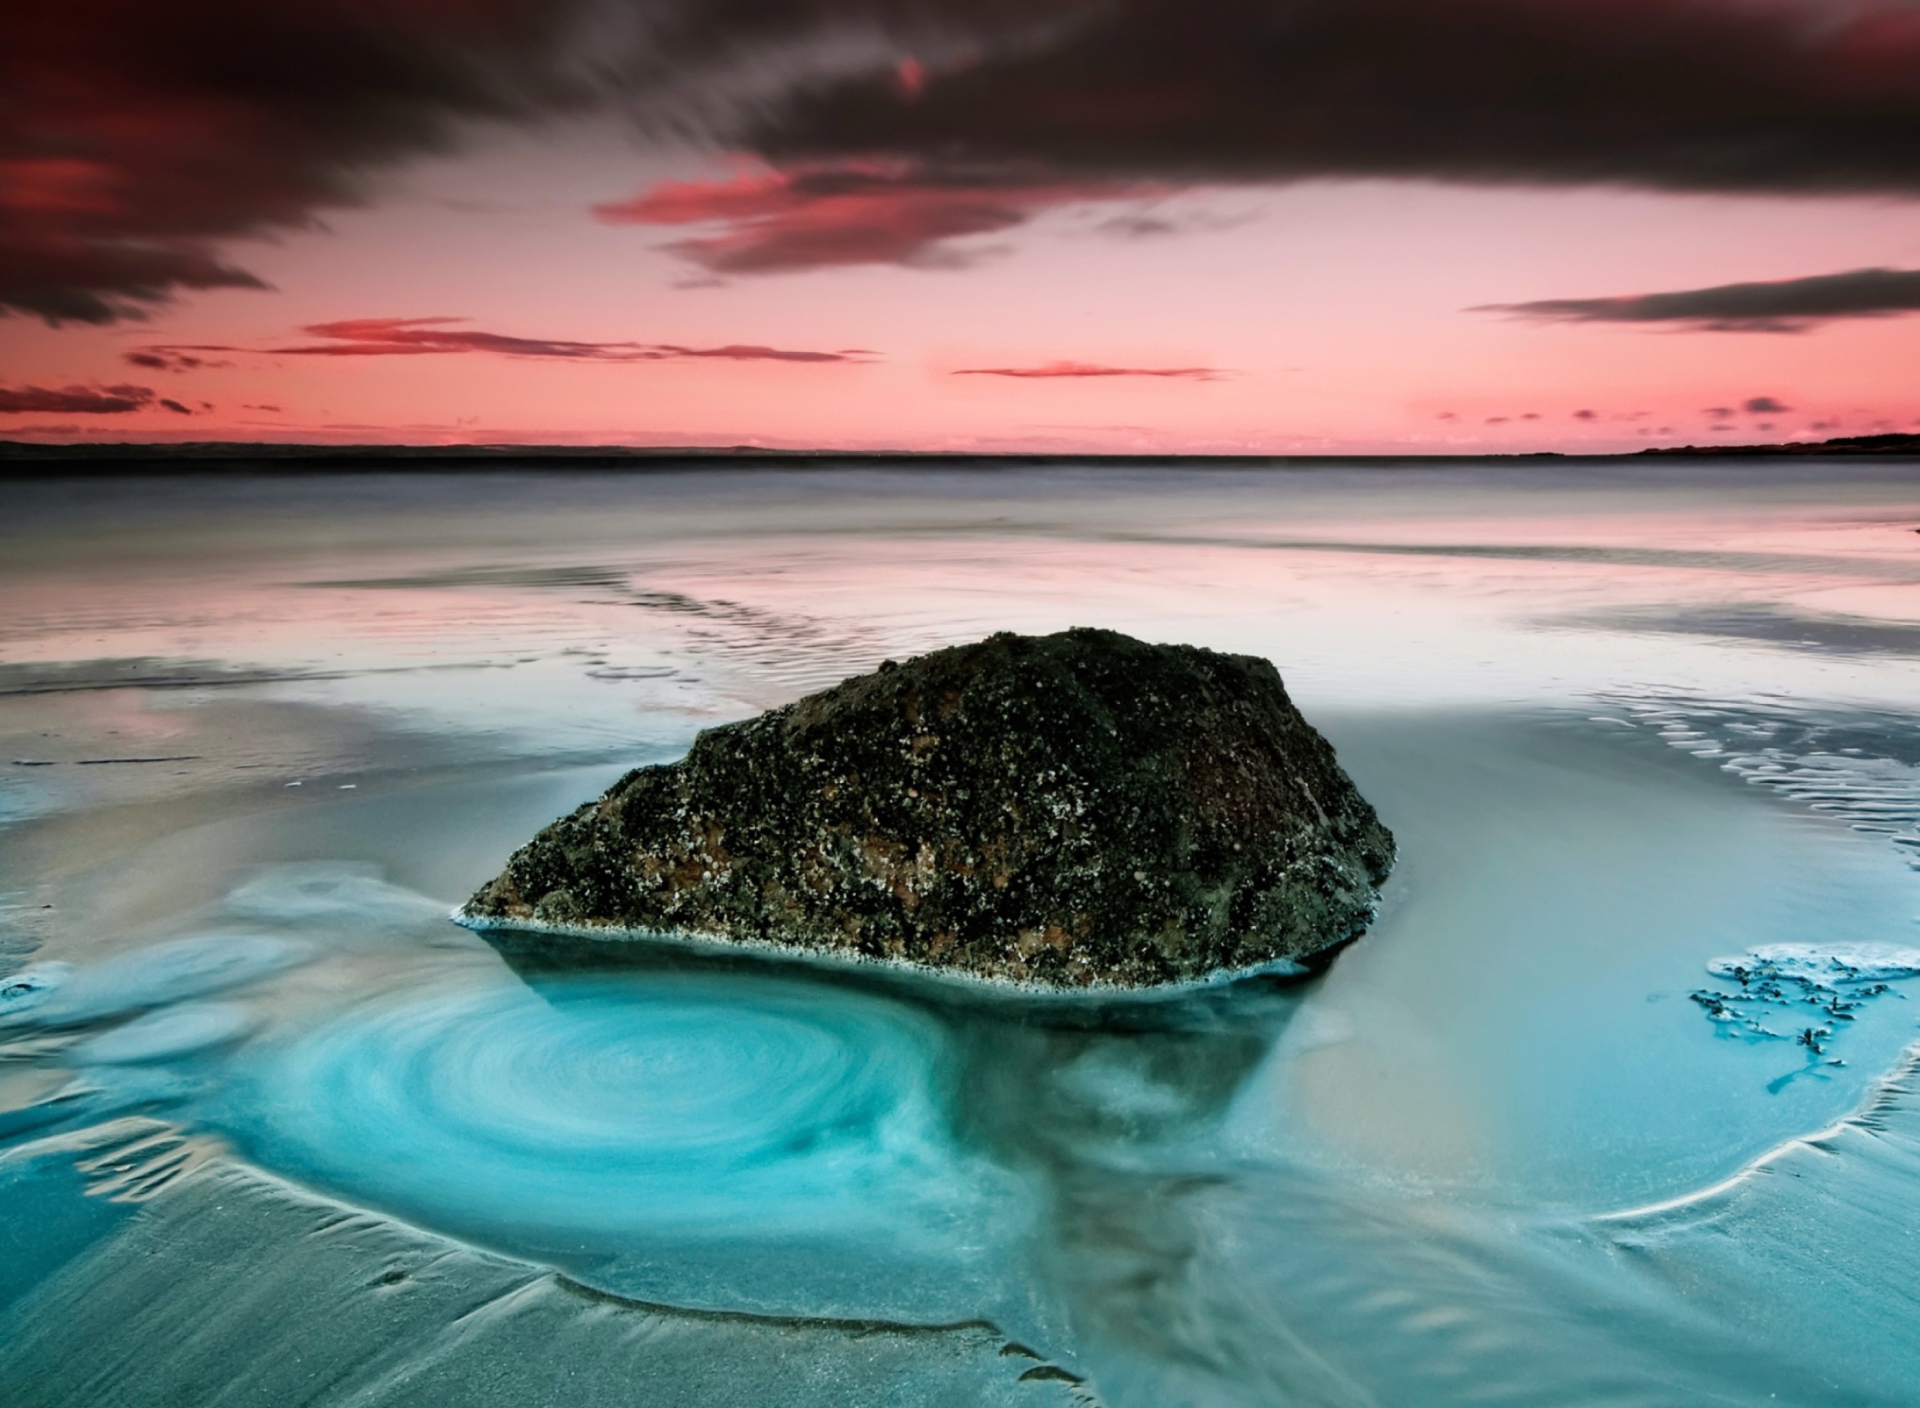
{"x": 849, "y": 213}
{"x": 1092, "y": 369}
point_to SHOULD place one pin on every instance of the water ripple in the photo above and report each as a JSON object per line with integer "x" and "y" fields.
{"x": 1859, "y": 765}
{"x": 618, "y": 1107}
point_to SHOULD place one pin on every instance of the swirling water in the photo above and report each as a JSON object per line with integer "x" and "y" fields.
{"x": 676, "y": 1138}
{"x": 1615, "y": 1104}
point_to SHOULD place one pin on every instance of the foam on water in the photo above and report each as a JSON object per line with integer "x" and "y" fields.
{"x": 336, "y": 895}
{"x": 1824, "y": 965}
{"x": 31, "y": 987}
{"x": 1817, "y": 992}
{"x": 159, "y": 1036}
{"x": 62, "y": 995}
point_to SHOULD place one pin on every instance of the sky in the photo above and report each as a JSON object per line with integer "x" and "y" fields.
{"x": 1212, "y": 226}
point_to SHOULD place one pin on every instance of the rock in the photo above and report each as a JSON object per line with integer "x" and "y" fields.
{"x": 1072, "y": 810}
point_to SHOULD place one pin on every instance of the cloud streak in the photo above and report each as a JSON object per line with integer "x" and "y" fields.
{"x": 169, "y": 359}
{"x": 850, "y": 213}
{"x": 78, "y": 400}
{"x": 1052, "y": 370}
{"x": 1781, "y": 306}
{"x": 417, "y": 337}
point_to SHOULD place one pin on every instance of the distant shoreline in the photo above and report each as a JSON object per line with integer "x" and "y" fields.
{"x": 25, "y": 459}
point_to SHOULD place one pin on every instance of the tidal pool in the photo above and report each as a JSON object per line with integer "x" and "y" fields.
{"x": 1614, "y": 1104}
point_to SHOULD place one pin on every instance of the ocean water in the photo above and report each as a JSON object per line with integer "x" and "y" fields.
{"x": 1617, "y": 1103}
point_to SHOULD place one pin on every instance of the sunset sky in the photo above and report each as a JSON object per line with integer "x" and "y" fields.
{"x": 1213, "y": 225}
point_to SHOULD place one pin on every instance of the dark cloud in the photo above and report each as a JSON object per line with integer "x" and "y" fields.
{"x": 1091, "y": 369}
{"x": 1791, "y": 96}
{"x": 879, "y": 212}
{"x": 404, "y": 337}
{"x": 137, "y": 140}
{"x": 73, "y": 400}
{"x": 1765, "y": 406}
{"x": 1665, "y": 93}
{"x": 173, "y": 406}
{"x": 1141, "y": 227}
{"x": 170, "y": 359}
{"x": 1785, "y": 305}
{"x": 135, "y": 137}
{"x": 1157, "y": 223}
{"x": 49, "y": 269}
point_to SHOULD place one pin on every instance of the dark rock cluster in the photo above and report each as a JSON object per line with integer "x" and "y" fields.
{"x": 1074, "y": 810}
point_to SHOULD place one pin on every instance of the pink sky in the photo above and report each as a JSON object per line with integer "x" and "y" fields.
{"x": 566, "y": 280}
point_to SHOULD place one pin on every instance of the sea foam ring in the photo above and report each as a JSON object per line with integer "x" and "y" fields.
{"x": 1853, "y": 963}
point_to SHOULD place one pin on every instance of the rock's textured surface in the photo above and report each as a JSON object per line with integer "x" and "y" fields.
{"x": 1074, "y": 810}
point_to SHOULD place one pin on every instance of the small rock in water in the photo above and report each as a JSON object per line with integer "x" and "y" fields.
{"x": 1073, "y": 810}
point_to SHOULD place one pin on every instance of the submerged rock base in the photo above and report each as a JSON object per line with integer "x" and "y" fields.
{"x": 1074, "y": 810}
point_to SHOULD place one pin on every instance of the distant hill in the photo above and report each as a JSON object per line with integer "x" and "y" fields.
{"x": 1891, "y": 444}
{"x": 18, "y": 457}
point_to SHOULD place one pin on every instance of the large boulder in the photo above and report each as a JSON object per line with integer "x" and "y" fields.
{"x": 1073, "y": 810}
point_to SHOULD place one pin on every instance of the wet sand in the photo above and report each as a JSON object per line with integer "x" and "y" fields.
{"x": 295, "y": 1137}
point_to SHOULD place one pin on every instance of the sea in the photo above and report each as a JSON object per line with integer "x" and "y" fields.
{"x": 1616, "y": 1103}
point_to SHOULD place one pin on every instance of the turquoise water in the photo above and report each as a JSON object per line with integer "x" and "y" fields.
{"x": 1614, "y": 1103}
